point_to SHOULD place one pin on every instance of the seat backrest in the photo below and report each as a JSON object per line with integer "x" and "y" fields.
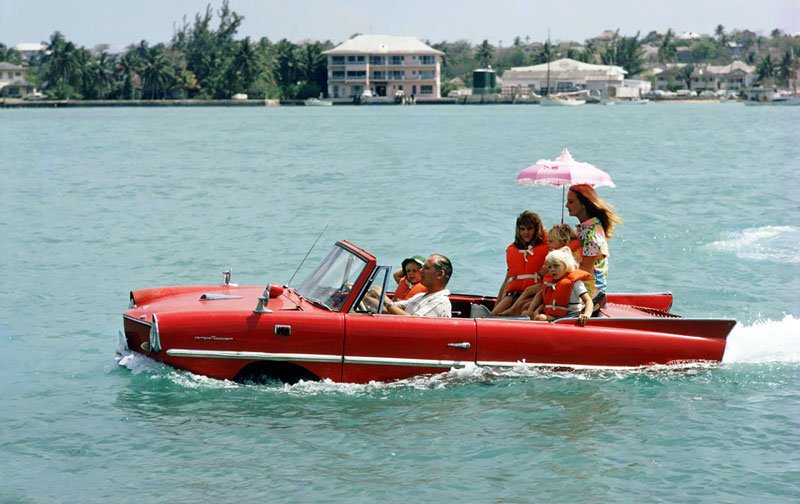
{"x": 478, "y": 311}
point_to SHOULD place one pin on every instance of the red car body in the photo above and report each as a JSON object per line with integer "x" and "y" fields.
{"x": 320, "y": 330}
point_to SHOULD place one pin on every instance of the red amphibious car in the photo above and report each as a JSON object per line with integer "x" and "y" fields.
{"x": 321, "y": 330}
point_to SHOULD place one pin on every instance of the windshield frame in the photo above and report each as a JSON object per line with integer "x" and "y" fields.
{"x": 351, "y": 268}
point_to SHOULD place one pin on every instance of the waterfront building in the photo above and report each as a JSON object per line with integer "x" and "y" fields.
{"x": 12, "y": 80}
{"x": 737, "y": 75}
{"x": 563, "y": 75}
{"x": 384, "y": 65}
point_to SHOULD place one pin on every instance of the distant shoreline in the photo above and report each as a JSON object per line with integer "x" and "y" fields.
{"x": 17, "y": 103}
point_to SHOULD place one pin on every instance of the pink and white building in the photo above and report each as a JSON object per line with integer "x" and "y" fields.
{"x": 384, "y": 64}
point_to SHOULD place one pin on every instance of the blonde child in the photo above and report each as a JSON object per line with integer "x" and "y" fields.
{"x": 563, "y": 291}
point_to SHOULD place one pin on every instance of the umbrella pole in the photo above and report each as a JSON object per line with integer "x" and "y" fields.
{"x": 563, "y": 192}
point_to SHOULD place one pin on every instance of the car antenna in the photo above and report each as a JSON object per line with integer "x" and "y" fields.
{"x": 307, "y": 254}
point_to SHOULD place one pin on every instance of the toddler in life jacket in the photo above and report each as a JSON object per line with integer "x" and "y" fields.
{"x": 408, "y": 278}
{"x": 563, "y": 291}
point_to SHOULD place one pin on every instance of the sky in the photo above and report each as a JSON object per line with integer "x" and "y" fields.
{"x": 119, "y": 23}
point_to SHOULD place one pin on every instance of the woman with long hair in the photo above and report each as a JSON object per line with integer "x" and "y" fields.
{"x": 597, "y": 222}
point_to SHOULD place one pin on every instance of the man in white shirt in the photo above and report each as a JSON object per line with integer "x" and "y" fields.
{"x": 436, "y": 272}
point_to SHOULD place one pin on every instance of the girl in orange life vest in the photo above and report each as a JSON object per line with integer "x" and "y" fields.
{"x": 408, "y": 279}
{"x": 524, "y": 259}
{"x": 563, "y": 292}
{"x": 560, "y": 235}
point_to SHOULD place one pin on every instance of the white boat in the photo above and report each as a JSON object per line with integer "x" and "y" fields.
{"x": 560, "y": 102}
{"x": 760, "y": 96}
{"x": 632, "y": 101}
{"x": 316, "y": 102}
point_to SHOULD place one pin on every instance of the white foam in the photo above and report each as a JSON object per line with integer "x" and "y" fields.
{"x": 777, "y": 244}
{"x": 765, "y": 341}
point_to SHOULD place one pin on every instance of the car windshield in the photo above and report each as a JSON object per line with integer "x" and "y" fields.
{"x": 331, "y": 282}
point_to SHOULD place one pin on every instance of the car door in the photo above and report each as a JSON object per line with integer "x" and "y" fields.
{"x": 392, "y": 347}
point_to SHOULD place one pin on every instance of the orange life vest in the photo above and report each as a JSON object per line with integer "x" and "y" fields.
{"x": 524, "y": 266}
{"x": 407, "y": 290}
{"x": 556, "y": 294}
{"x": 577, "y": 250}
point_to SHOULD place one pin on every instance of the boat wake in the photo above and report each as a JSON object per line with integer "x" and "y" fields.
{"x": 764, "y": 341}
{"x": 776, "y": 244}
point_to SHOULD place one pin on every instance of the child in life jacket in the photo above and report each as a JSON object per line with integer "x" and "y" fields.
{"x": 560, "y": 235}
{"x": 409, "y": 278}
{"x": 524, "y": 260}
{"x": 563, "y": 291}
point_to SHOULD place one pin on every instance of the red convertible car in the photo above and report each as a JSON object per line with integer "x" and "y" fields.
{"x": 321, "y": 329}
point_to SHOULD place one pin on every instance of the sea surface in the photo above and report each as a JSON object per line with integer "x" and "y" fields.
{"x": 95, "y": 202}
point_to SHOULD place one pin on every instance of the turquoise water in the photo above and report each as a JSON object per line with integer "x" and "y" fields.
{"x": 96, "y": 202}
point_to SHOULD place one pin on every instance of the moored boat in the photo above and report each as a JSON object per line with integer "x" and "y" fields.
{"x": 322, "y": 329}
{"x": 761, "y": 96}
{"x": 317, "y": 102}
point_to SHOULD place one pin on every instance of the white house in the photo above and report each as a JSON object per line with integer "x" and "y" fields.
{"x": 384, "y": 65}
{"x": 564, "y": 75}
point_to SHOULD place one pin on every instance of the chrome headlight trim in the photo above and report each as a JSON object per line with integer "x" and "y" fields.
{"x": 155, "y": 337}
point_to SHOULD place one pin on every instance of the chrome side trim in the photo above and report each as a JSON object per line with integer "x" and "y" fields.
{"x": 228, "y": 354}
{"x": 396, "y": 361}
{"x": 509, "y": 364}
{"x": 376, "y": 361}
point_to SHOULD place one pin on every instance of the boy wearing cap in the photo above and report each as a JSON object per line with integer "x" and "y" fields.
{"x": 408, "y": 279}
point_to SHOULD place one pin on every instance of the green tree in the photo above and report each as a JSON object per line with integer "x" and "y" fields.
{"x": 102, "y": 73}
{"x": 158, "y": 76}
{"x": 686, "y": 75}
{"x": 703, "y": 50}
{"x": 484, "y": 53}
{"x": 626, "y": 52}
{"x": 719, "y": 31}
{"x": 63, "y": 71}
{"x": 765, "y": 68}
{"x": 10, "y": 55}
{"x": 286, "y": 70}
{"x": 313, "y": 67}
{"x": 126, "y": 69}
{"x": 785, "y": 68}
{"x": 667, "y": 51}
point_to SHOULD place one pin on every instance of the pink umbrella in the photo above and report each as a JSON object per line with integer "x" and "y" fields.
{"x": 561, "y": 172}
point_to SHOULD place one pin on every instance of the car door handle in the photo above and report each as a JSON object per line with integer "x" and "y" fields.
{"x": 464, "y": 345}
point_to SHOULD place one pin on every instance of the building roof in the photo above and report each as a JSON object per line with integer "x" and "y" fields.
{"x": 10, "y": 66}
{"x": 566, "y": 68}
{"x": 725, "y": 69}
{"x": 383, "y": 44}
{"x": 30, "y": 47}
{"x": 606, "y": 35}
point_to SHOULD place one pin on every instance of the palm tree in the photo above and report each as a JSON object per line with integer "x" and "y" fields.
{"x": 126, "y": 68}
{"x": 766, "y": 68}
{"x": 157, "y": 74}
{"x": 63, "y": 67}
{"x": 667, "y": 51}
{"x": 784, "y": 70}
{"x": 244, "y": 68}
{"x": 484, "y": 53}
{"x": 686, "y": 74}
{"x": 285, "y": 70}
{"x": 102, "y": 72}
{"x": 719, "y": 31}
{"x": 314, "y": 65}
